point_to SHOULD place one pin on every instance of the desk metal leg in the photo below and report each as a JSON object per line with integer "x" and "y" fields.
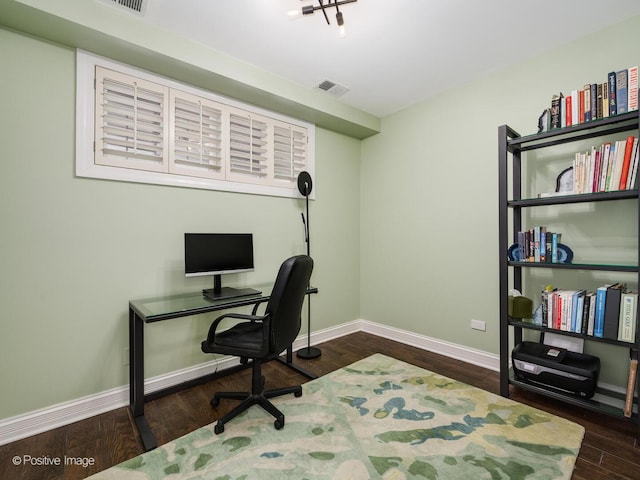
{"x": 288, "y": 361}
{"x": 136, "y": 379}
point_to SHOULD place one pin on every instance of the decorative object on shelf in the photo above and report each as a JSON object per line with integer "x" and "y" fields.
{"x": 305, "y": 185}
{"x": 520, "y": 306}
{"x": 543, "y": 120}
{"x": 310, "y": 10}
{"x": 564, "y": 182}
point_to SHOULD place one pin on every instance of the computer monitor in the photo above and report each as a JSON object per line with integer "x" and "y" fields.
{"x": 216, "y": 254}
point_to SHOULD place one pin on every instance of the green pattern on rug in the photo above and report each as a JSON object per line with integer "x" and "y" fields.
{"x": 377, "y": 418}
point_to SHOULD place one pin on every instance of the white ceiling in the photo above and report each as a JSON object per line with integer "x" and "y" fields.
{"x": 396, "y": 52}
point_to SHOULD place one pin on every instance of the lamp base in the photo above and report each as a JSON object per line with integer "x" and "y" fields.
{"x": 308, "y": 353}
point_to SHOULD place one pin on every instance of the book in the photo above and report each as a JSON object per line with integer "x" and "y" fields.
{"x": 624, "y": 173}
{"x": 616, "y": 168}
{"x": 622, "y": 92}
{"x": 634, "y": 166}
{"x": 577, "y": 305}
{"x": 601, "y": 297}
{"x": 631, "y": 388}
{"x": 587, "y": 102}
{"x": 592, "y": 313}
{"x": 556, "y": 111}
{"x": 612, "y": 311}
{"x": 605, "y": 100}
{"x": 613, "y": 108}
{"x": 633, "y": 88}
{"x": 568, "y": 111}
{"x": 580, "y": 106}
{"x": 594, "y": 101}
{"x": 555, "y": 239}
{"x": 627, "y": 320}
{"x": 599, "y": 102}
{"x": 574, "y": 107}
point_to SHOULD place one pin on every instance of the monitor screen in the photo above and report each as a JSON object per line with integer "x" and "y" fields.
{"x": 217, "y": 253}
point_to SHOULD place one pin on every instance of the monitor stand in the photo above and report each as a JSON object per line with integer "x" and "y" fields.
{"x": 218, "y": 292}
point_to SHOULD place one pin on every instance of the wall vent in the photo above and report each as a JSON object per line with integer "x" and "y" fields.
{"x": 332, "y": 88}
{"x": 134, "y": 6}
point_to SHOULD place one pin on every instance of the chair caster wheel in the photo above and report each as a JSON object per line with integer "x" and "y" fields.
{"x": 214, "y": 402}
{"x": 218, "y": 429}
{"x": 278, "y": 424}
{"x": 297, "y": 394}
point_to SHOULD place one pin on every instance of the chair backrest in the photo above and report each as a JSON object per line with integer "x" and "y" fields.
{"x": 285, "y": 303}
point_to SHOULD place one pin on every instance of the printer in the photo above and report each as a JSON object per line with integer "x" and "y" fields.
{"x": 556, "y": 368}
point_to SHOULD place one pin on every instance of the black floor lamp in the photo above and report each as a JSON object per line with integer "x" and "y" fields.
{"x": 304, "y": 186}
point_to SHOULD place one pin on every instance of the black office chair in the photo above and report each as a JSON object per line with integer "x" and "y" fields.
{"x": 261, "y": 338}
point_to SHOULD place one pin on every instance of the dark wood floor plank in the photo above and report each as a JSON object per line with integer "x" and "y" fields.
{"x": 609, "y": 449}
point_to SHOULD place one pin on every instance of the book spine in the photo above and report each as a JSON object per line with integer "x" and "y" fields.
{"x": 626, "y": 163}
{"x": 634, "y": 166}
{"x": 605, "y": 99}
{"x": 628, "y": 313}
{"x": 555, "y": 112}
{"x": 554, "y": 248}
{"x": 599, "y": 101}
{"x": 613, "y": 107}
{"x": 631, "y": 388}
{"x": 587, "y": 102}
{"x": 594, "y": 102}
{"x": 601, "y": 296}
{"x": 622, "y": 91}
{"x": 633, "y": 89}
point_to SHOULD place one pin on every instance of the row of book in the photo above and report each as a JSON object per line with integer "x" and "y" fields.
{"x": 617, "y": 95}
{"x": 609, "y": 312}
{"x": 611, "y": 166}
{"x": 538, "y": 245}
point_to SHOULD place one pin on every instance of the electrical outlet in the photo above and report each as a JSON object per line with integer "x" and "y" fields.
{"x": 126, "y": 356}
{"x": 478, "y": 325}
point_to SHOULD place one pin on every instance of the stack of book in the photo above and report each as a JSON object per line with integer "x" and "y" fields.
{"x": 538, "y": 245}
{"x": 615, "y": 96}
{"x": 609, "y": 312}
{"x": 609, "y": 167}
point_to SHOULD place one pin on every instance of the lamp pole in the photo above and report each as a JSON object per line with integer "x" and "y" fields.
{"x": 304, "y": 186}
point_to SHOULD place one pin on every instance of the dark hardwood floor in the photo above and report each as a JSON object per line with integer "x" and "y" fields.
{"x": 609, "y": 450}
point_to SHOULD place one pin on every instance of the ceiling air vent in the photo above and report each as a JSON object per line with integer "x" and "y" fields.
{"x": 333, "y": 88}
{"x": 135, "y": 6}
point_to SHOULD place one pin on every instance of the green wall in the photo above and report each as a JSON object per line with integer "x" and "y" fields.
{"x": 75, "y": 250}
{"x": 404, "y": 225}
{"x": 430, "y": 195}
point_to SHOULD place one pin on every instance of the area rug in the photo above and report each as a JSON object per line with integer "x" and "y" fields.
{"x": 378, "y": 418}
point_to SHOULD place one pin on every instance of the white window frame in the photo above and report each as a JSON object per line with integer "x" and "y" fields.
{"x": 186, "y": 173}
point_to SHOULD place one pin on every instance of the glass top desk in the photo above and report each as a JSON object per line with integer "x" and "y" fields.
{"x": 151, "y": 310}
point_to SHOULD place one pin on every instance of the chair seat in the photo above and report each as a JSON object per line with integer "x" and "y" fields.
{"x": 243, "y": 338}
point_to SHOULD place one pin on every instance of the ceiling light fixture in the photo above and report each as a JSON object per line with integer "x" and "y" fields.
{"x": 322, "y": 5}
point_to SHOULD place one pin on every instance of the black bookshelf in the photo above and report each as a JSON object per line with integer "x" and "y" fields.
{"x": 512, "y": 146}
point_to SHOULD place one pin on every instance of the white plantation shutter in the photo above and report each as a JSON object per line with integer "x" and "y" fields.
{"x": 130, "y": 122}
{"x": 289, "y": 152}
{"x": 248, "y": 139}
{"x": 196, "y": 125}
{"x": 135, "y": 126}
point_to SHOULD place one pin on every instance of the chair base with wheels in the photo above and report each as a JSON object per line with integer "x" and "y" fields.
{"x": 257, "y": 396}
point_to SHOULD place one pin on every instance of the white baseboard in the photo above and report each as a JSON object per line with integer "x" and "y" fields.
{"x": 31, "y": 423}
